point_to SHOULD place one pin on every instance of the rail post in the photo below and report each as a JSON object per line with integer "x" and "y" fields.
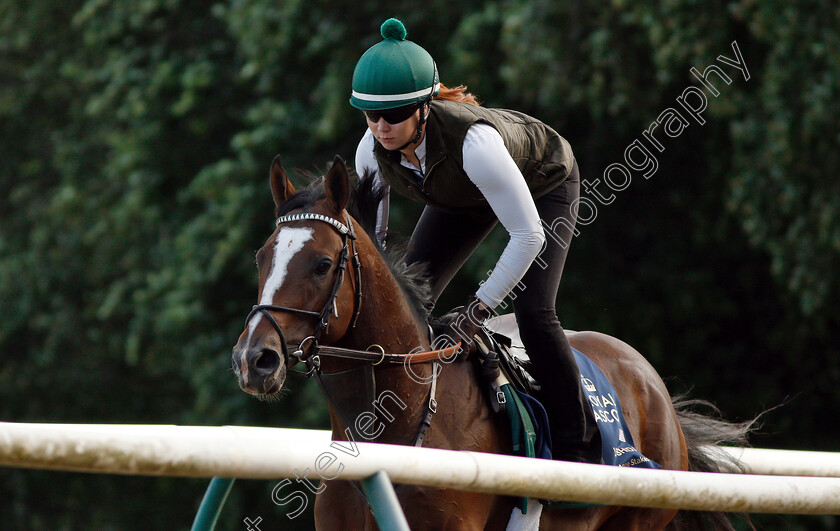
{"x": 384, "y": 503}
{"x": 212, "y": 503}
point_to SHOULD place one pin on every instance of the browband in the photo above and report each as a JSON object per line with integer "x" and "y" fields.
{"x": 340, "y": 227}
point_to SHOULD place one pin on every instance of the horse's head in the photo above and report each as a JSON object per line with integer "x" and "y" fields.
{"x": 304, "y": 295}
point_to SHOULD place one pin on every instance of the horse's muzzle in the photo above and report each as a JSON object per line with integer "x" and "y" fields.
{"x": 261, "y": 371}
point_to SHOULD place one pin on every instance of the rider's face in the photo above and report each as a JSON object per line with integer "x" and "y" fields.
{"x": 393, "y": 136}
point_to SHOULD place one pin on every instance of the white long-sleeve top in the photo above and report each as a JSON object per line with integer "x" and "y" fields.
{"x": 490, "y": 167}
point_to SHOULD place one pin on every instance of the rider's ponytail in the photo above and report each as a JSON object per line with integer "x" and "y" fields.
{"x": 458, "y": 94}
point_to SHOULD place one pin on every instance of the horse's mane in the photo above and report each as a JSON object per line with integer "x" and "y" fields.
{"x": 365, "y": 197}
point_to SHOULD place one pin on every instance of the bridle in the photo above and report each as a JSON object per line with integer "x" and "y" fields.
{"x": 348, "y": 237}
{"x": 312, "y": 359}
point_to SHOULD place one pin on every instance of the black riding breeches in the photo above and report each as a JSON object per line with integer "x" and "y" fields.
{"x": 445, "y": 240}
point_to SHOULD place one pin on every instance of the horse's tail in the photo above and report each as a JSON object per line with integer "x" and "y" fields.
{"x": 705, "y": 433}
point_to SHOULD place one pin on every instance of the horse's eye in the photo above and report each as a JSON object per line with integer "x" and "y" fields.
{"x": 259, "y": 257}
{"x": 323, "y": 266}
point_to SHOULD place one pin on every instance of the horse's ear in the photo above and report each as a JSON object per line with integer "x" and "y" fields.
{"x": 337, "y": 185}
{"x": 281, "y": 186}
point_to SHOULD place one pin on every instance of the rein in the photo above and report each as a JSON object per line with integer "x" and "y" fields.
{"x": 382, "y": 356}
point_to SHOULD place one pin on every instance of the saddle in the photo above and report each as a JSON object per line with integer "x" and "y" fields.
{"x": 502, "y": 339}
{"x": 501, "y": 355}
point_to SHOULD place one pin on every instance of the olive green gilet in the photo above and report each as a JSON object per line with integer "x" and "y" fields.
{"x": 543, "y": 156}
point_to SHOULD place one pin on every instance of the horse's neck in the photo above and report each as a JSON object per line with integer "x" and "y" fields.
{"x": 386, "y": 317}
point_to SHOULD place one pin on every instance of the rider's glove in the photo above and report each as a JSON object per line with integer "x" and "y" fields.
{"x": 466, "y": 322}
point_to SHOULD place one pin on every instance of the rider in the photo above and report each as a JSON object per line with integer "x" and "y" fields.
{"x": 473, "y": 166}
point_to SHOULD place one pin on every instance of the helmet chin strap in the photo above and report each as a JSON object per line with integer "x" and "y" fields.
{"x": 423, "y": 117}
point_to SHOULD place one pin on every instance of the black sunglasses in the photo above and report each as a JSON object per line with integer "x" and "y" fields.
{"x": 393, "y": 116}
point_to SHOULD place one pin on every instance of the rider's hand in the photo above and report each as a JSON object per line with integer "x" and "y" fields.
{"x": 467, "y": 321}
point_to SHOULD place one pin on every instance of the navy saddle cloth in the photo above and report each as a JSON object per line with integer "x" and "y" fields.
{"x": 617, "y": 442}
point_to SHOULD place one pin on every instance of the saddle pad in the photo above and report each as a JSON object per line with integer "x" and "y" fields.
{"x": 523, "y": 431}
{"x": 617, "y": 446}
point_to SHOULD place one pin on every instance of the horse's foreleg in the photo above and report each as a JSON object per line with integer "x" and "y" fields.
{"x": 436, "y": 509}
{"x": 639, "y": 519}
{"x": 340, "y": 506}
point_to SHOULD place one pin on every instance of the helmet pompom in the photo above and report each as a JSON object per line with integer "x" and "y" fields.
{"x": 393, "y": 29}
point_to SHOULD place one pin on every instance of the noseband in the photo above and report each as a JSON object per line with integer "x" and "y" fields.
{"x": 348, "y": 238}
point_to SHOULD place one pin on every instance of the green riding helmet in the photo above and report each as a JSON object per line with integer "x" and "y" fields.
{"x": 394, "y": 72}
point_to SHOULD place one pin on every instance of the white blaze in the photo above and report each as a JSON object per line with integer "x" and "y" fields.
{"x": 288, "y": 242}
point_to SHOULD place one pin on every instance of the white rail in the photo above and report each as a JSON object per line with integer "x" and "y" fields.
{"x": 788, "y": 462}
{"x": 270, "y": 453}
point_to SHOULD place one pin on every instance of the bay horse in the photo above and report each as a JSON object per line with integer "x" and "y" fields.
{"x": 324, "y": 283}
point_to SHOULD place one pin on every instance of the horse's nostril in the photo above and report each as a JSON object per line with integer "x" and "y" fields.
{"x": 266, "y": 362}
